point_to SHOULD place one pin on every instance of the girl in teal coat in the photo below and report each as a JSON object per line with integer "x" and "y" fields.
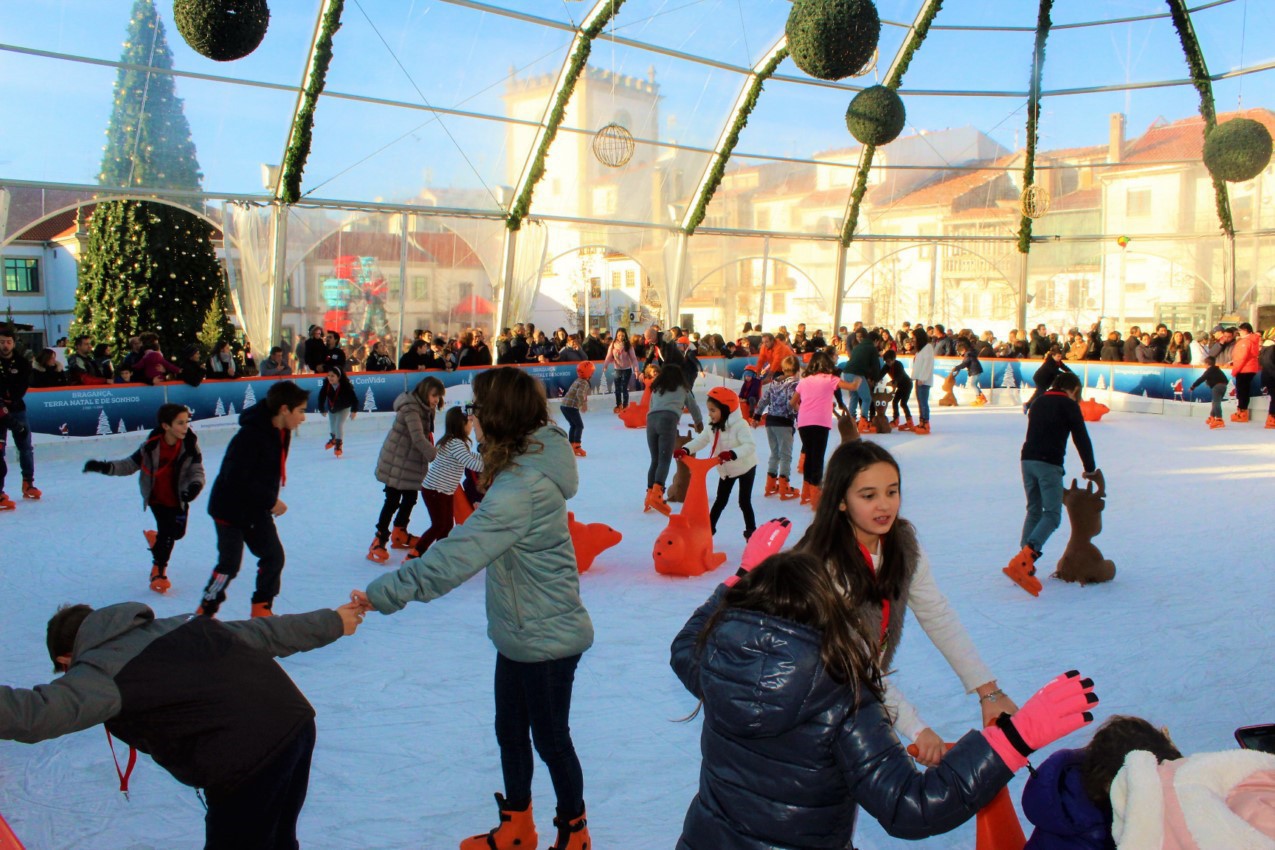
{"x": 535, "y": 616}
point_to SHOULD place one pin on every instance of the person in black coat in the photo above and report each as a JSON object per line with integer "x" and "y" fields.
{"x": 15, "y": 379}
{"x": 378, "y": 360}
{"x": 338, "y": 401}
{"x": 1050, "y": 368}
{"x": 334, "y": 355}
{"x": 795, "y": 736}
{"x": 414, "y": 358}
{"x": 314, "y": 351}
{"x": 192, "y": 366}
{"x": 245, "y": 497}
{"x": 1112, "y": 349}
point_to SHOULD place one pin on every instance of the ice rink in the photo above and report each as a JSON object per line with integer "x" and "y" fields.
{"x": 406, "y": 755}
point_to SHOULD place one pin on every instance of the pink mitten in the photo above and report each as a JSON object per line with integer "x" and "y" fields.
{"x": 768, "y": 539}
{"x": 1058, "y": 709}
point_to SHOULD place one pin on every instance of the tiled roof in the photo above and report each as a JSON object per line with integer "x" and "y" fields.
{"x": 1183, "y": 140}
{"x": 56, "y": 227}
{"x": 1082, "y": 199}
{"x": 947, "y": 189}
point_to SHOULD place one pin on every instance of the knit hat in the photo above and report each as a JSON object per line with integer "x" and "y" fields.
{"x": 727, "y": 398}
{"x": 585, "y": 369}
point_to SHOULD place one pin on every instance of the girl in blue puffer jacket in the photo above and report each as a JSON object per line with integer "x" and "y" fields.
{"x": 795, "y": 736}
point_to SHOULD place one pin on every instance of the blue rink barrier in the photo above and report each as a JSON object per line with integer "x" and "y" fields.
{"x": 116, "y": 408}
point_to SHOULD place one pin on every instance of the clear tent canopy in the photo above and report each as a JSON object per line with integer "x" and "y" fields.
{"x": 433, "y": 111}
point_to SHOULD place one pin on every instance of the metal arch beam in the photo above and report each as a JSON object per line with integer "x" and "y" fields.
{"x": 722, "y": 137}
{"x": 277, "y": 189}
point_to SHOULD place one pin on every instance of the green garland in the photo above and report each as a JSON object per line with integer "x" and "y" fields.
{"x": 303, "y": 124}
{"x": 919, "y": 31}
{"x": 522, "y": 206}
{"x": 1204, "y": 85}
{"x": 741, "y": 120}
{"x": 1043, "y": 23}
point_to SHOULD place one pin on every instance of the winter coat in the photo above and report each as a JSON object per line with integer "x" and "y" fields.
{"x": 1113, "y": 351}
{"x": 1079, "y": 350}
{"x": 335, "y": 400}
{"x": 621, "y": 358}
{"x": 735, "y": 437}
{"x": 269, "y": 369}
{"x": 1244, "y": 356}
{"x": 519, "y": 535}
{"x": 188, "y": 472}
{"x": 1129, "y": 352}
{"x": 473, "y": 355}
{"x": 203, "y": 697}
{"x": 923, "y": 365}
{"x": 1147, "y": 354}
{"x": 776, "y": 401}
{"x": 15, "y": 378}
{"x": 1213, "y": 376}
{"x": 447, "y": 470}
{"x": 378, "y": 363}
{"x": 1208, "y": 801}
{"x": 1048, "y": 371}
{"x": 673, "y": 402}
{"x": 788, "y": 753}
{"x": 864, "y": 362}
{"x": 567, "y": 354}
{"x": 1050, "y": 420}
{"x": 771, "y": 356}
{"x": 896, "y": 373}
{"x": 247, "y": 486}
{"x": 409, "y": 446}
{"x": 192, "y": 373}
{"x": 970, "y": 363}
{"x": 943, "y": 346}
{"x": 1055, "y": 802}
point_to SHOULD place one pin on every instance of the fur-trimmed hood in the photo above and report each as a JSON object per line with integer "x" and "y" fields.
{"x": 1210, "y": 801}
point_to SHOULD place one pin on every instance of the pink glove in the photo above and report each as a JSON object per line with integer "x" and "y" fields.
{"x": 766, "y": 541}
{"x": 1058, "y": 709}
{"x": 678, "y": 454}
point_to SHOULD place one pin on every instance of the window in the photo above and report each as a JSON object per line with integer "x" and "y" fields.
{"x": 391, "y": 282}
{"x": 616, "y": 277}
{"x": 420, "y": 287}
{"x": 630, "y": 278}
{"x": 21, "y": 276}
{"x": 1138, "y": 202}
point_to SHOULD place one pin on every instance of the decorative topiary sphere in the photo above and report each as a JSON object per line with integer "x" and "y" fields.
{"x": 1238, "y": 150}
{"x": 222, "y": 29}
{"x": 876, "y": 116}
{"x": 832, "y": 39}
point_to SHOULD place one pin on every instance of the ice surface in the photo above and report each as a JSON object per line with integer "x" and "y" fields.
{"x": 406, "y": 755}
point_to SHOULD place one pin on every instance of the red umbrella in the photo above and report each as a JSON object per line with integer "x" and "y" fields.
{"x": 474, "y": 304}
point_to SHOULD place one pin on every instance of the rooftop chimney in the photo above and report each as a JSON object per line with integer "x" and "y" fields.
{"x": 1115, "y": 138}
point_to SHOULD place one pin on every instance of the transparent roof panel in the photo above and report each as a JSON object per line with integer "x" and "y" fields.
{"x": 725, "y": 31}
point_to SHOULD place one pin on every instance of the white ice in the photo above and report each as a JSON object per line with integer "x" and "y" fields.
{"x": 406, "y": 755}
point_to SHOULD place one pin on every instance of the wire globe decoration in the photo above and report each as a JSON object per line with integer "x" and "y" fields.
{"x": 613, "y": 146}
{"x": 1035, "y": 201}
{"x": 871, "y": 64}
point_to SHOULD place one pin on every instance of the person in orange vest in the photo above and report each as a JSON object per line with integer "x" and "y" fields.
{"x": 771, "y": 357}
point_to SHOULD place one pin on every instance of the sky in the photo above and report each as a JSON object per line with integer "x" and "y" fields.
{"x": 430, "y": 52}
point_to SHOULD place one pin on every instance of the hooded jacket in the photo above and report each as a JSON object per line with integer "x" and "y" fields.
{"x": 788, "y": 753}
{"x": 1054, "y": 800}
{"x": 247, "y": 486}
{"x": 409, "y": 446}
{"x": 735, "y": 436}
{"x": 15, "y": 378}
{"x": 519, "y": 535}
{"x": 202, "y": 697}
{"x": 188, "y": 473}
{"x": 1245, "y": 353}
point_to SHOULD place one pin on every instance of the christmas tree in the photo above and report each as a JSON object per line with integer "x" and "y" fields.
{"x": 147, "y": 266}
{"x": 121, "y": 428}
{"x": 103, "y": 424}
{"x": 369, "y": 403}
{"x": 249, "y": 397}
{"x": 220, "y": 409}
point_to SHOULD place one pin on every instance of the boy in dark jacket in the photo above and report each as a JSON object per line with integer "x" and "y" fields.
{"x": 1050, "y": 368}
{"x": 902, "y": 383}
{"x": 15, "y": 378}
{"x": 1216, "y": 380}
{"x": 1052, "y": 418}
{"x": 204, "y": 699}
{"x": 245, "y": 497}
{"x": 172, "y": 476}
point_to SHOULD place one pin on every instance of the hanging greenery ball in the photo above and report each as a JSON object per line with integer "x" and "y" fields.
{"x": 832, "y": 39}
{"x": 222, "y": 29}
{"x": 876, "y": 116}
{"x": 1238, "y": 150}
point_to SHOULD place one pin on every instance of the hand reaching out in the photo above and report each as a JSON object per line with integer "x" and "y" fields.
{"x": 351, "y": 617}
{"x": 359, "y": 598}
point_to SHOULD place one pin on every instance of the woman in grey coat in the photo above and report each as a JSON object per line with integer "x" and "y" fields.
{"x": 404, "y": 459}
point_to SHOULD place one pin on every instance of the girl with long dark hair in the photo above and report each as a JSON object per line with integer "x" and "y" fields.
{"x": 669, "y": 394}
{"x": 518, "y": 534}
{"x": 878, "y": 563}
{"x": 813, "y": 402}
{"x": 622, "y": 357}
{"x": 795, "y": 734}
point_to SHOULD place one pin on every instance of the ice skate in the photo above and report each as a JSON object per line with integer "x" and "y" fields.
{"x": 1022, "y": 571}
{"x": 578, "y": 450}
{"x": 1270, "y": 420}
{"x": 907, "y": 425}
{"x": 30, "y": 491}
{"x": 377, "y": 552}
{"x": 399, "y": 538}
{"x": 7, "y": 504}
{"x": 1216, "y": 422}
{"x": 159, "y": 581}
{"x": 516, "y": 831}
{"x": 329, "y": 444}
{"x": 1239, "y": 416}
{"x": 151, "y": 537}
{"x": 786, "y": 490}
{"x": 262, "y": 609}
{"x": 572, "y": 834}
{"x": 655, "y": 500}
{"x": 336, "y": 450}
{"x": 772, "y": 485}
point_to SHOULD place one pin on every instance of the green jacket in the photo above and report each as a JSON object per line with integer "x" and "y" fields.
{"x": 519, "y": 535}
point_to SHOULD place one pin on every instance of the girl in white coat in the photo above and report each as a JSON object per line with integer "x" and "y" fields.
{"x": 876, "y": 558}
{"x": 731, "y": 441}
{"x": 923, "y": 376}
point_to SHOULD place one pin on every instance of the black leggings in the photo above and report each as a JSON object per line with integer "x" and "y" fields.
{"x": 398, "y": 502}
{"x": 533, "y": 703}
{"x": 1244, "y": 388}
{"x": 170, "y": 526}
{"x": 724, "y": 486}
{"x": 814, "y": 443}
{"x": 901, "y": 398}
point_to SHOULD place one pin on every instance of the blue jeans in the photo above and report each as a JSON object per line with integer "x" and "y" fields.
{"x": 575, "y": 423}
{"x": 533, "y": 703}
{"x": 661, "y": 431}
{"x": 780, "y": 439}
{"x": 336, "y": 424}
{"x": 923, "y": 401}
{"x": 1043, "y": 483}
{"x": 622, "y": 378}
{"x": 1218, "y": 392}
{"x": 16, "y": 423}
